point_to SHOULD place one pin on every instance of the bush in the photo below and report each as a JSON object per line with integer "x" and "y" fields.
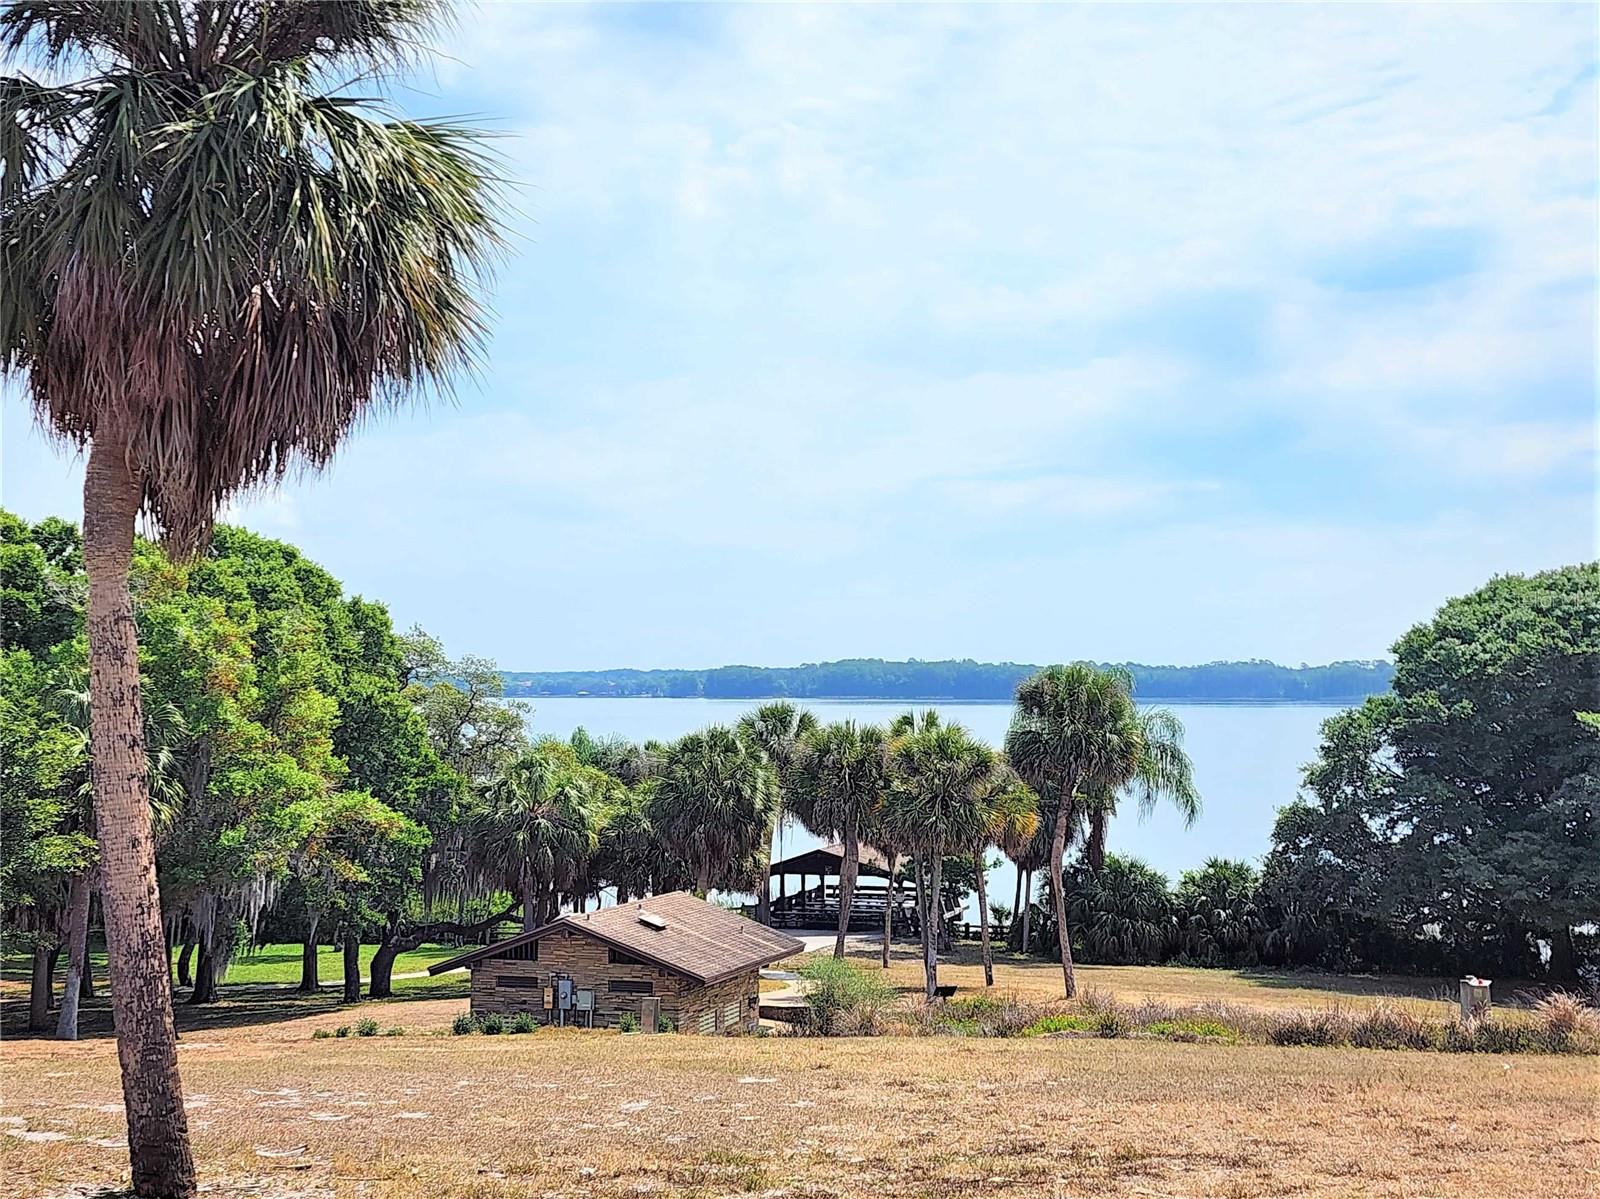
{"x": 367, "y": 1027}
{"x": 1112, "y": 1022}
{"x": 1194, "y": 1030}
{"x": 665, "y": 1025}
{"x": 322, "y": 1034}
{"x": 1385, "y": 1027}
{"x": 492, "y": 1025}
{"x": 844, "y": 1000}
{"x": 1566, "y": 1024}
{"x": 342, "y": 1031}
{"x": 396, "y": 1031}
{"x": 464, "y": 1025}
{"x": 627, "y": 1022}
{"x": 1323, "y": 1027}
{"x": 1499, "y": 1036}
{"x": 1059, "y": 1022}
{"x": 523, "y": 1022}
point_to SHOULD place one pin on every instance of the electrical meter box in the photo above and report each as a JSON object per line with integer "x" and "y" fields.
{"x": 564, "y": 989}
{"x": 585, "y": 1000}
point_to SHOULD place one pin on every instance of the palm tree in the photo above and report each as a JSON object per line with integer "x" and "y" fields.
{"x": 538, "y": 828}
{"x": 937, "y": 803}
{"x": 213, "y": 268}
{"x": 165, "y": 734}
{"x": 778, "y": 729}
{"x": 841, "y": 777}
{"x": 713, "y": 806}
{"x": 1077, "y": 732}
{"x": 1011, "y": 819}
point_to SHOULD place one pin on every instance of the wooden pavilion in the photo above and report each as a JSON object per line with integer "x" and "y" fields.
{"x": 816, "y": 903}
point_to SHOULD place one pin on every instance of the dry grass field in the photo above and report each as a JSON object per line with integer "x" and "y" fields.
{"x": 276, "y": 1113}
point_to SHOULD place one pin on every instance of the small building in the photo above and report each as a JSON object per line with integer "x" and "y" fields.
{"x": 669, "y": 958}
{"x": 818, "y": 906}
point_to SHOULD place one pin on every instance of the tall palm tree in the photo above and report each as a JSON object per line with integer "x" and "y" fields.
{"x": 1077, "y": 732}
{"x": 713, "y": 806}
{"x": 213, "y": 268}
{"x": 778, "y": 729}
{"x": 1011, "y": 820}
{"x": 841, "y": 777}
{"x": 538, "y": 828}
{"x": 936, "y": 804}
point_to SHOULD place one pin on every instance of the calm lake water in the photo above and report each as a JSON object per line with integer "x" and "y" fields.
{"x": 1247, "y": 760}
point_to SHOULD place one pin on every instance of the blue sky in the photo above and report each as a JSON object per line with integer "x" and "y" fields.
{"x": 1165, "y": 334}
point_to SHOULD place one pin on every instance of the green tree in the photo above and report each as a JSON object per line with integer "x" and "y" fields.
{"x": 839, "y": 778}
{"x": 213, "y": 268}
{"x": 713, "y": 807}
{"x": 1077, "y": 733}
{"x": 1124, "y": 912}
{"x": 1218, "y": 920}
{"x": 937, "y": 804}
{"x": 1011, "y": 821}
{"x": 779, "y": 730}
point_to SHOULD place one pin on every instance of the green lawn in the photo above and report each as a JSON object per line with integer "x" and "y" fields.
{"x": 281, "y": 964}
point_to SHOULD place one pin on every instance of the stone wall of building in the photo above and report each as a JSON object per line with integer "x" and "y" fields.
{"x": 508, "y": 986}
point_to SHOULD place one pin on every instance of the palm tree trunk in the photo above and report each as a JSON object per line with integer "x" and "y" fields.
{"x": 983, "y": 917}
{"x": 1058, "y": 850}
{"x": 849, "y": 869}
{"x": 352, "y": 968}
{"x": 764, "y": 882}
{"x": 141, "y": 988}
{"x": 77, "y": 954}
{"x": 930, "y": 952}
{"x": 530, "y": 905}
{"x": 1095, "y": 852}
{"x": 1014, "y": 929}
{"x": 1027, "y": 914}
{"x": 888, "y": 914}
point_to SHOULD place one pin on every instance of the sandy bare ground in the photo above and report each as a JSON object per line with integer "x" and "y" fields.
{"x": 604, "y": 1115}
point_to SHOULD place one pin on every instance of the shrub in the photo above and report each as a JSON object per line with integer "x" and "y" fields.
{"x": 1112, "y": 1022}
{"x": 1059, "y": 1022}
{"x": 523, "y": 1022}
{"x": 322, "y": 1034}
{"x": 665, "y": 1025}
{"x": 843, "y": 999}
{"x": 1567, "y": 1024}
{"x": 492, "y": 1025}
{"x": 1385, "y": 1027}
{"x": 342, "y": 1031}
{"x": 464, "y": 1025}
{"x": 367, "y": 1027}
{"x": 1194, "y": 1030}
{"x": 1322, "y": 1027}
{"x": 628, "y": 1022}
{"x": 396, "y": 1031}
{"x": 1490, "y": 1035}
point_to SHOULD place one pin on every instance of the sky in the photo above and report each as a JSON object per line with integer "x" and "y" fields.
{"x": 1154, "y": 334}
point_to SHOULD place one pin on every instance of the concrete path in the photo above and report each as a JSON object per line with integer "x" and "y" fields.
{"x": 818, "y": 941}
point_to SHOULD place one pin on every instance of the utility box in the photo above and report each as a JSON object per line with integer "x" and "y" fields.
{"x": 1474, "y": 997}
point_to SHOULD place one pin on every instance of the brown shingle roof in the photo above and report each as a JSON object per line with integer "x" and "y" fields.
{"x": 829, "y": 859}
{"x": 696, "y": 938}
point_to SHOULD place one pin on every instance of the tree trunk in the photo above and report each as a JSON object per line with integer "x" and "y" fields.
{"x": 77, "y": 955}
{"x": 930, "y": 951}
{"x": 1563, "y": 956}
{"x": 39, "y": 993}
{"x": 1013, "y": 932}
{"x": 530, "y": 905}
{"x": 186, "y": 964}
{"x": 848, "y": 870}
{"x": 1058, "y": 850}
{"x": 764, "y": 883}
{"x": 205, "y": 976}
{"x": 1095, "y": 852}
{"x": 352, "y": 968}
{"x": 308, "y": 958}
{"x": 888, "y": 915}
{"x": 141, "y": 988}
{"x": 983, "y": 917}
{"x": 1027, "y": 914}
{"x": 380, "y": 973}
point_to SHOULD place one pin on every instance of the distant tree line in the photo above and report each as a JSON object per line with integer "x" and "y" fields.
{"x": 875, "y": 678}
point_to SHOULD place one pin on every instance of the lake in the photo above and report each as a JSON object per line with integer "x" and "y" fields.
{"x": 1247, "y": 761}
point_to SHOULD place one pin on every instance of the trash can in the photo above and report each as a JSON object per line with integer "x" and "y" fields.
{"x": 1474, "y": 997}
